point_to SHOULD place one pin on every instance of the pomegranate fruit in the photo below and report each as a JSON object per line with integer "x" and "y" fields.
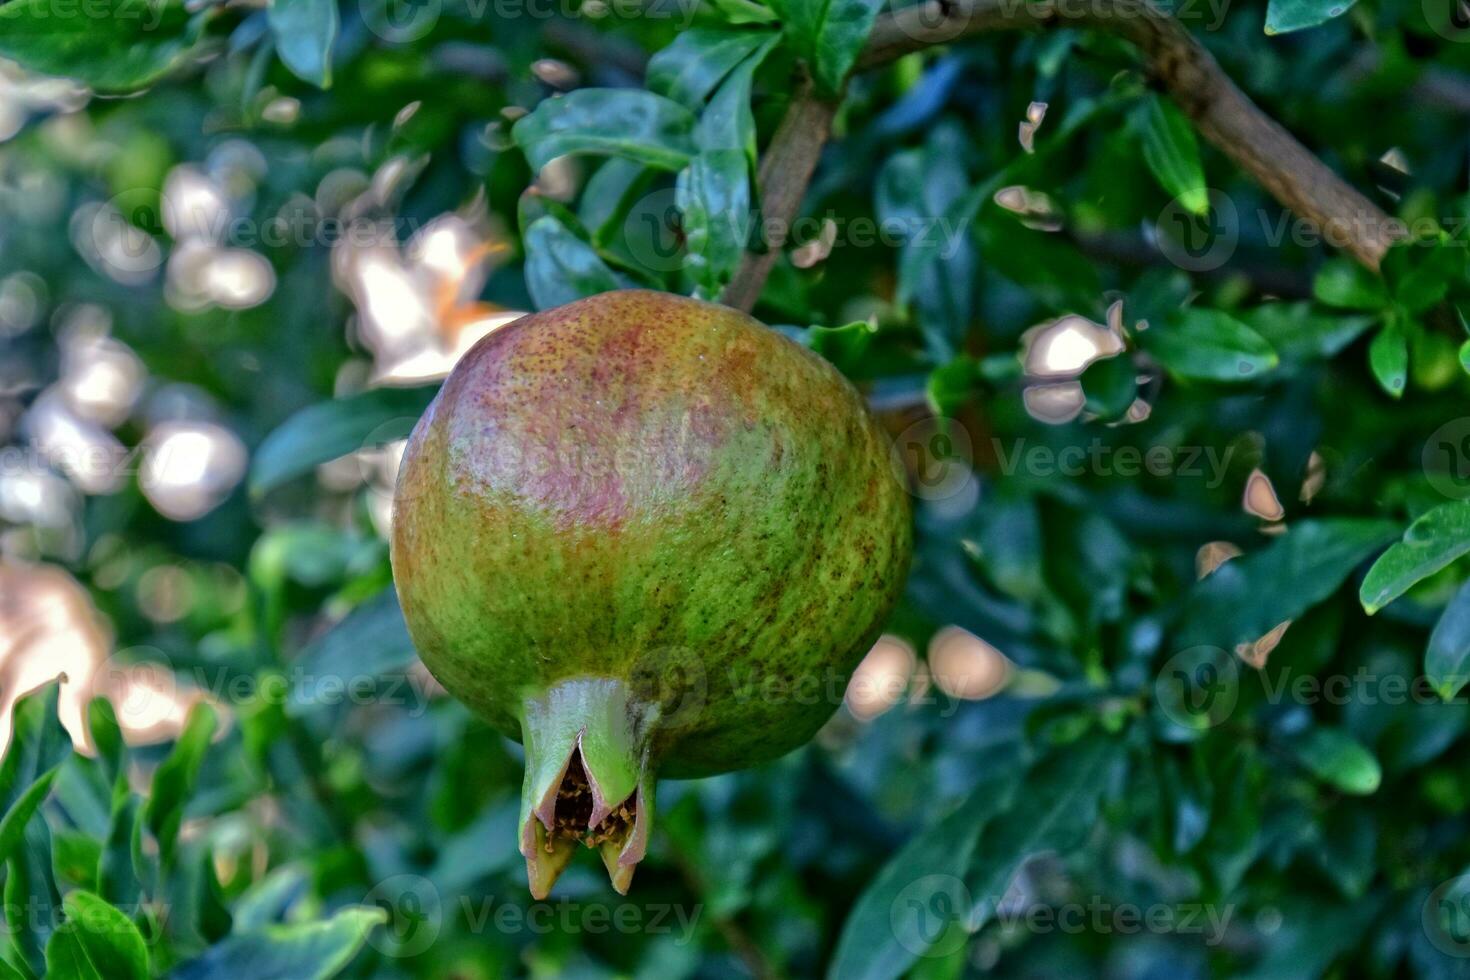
{"x": 642, "y": 533}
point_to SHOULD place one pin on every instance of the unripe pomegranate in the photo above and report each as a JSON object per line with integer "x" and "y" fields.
{"x": 642, "y": 533}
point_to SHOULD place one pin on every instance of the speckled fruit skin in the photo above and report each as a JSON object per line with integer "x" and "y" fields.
{"x": 647, "y": 487}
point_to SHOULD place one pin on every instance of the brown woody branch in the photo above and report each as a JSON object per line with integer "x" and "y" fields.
{"x": 785, "y": 170}
{"x": 1221, "y": 112}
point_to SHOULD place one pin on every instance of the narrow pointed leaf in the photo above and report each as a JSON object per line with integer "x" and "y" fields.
{"x": 95, "y": 942}
{"x": 1447, "y": 661}
{"x": 1437, "y": 538}
{"x": 306, "y": 951}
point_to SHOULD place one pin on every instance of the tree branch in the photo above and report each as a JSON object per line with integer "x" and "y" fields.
{"x": 1224, "y": 115}
{"x": 1221, "y": 112}
{"x": 785, "y": 170}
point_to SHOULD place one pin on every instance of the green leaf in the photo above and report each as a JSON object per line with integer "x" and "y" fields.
{"x": 1172, "y": 152}
{"x": 32, "y": 899}
{"x": 1447, "y": 661}
{"x": 928, "y": 870}
{"x": 560, "y": 267}
{"x": 111, "y": 45}
{"x": 713, "y": 196}
{"x": 117, "y": 872}
{"x": 688, "y": 70}
{"x": 370, "y": 641}
{"x": 1388, "y": 356}
{"x": 77, "y": 855}
{"x": 630, "y": 123}
{"x": 1209, "y": 345}
{"x": 173, "y": 782}
{"x": 268, "y": 899}
{"x": 38, "y": 747}
{"x": 1338, "y": 759}
{"x": 1298, "y": 334}
{"x": 1283, "y": 16}
{"x": 745, "y": 12}
{"x": 844, "y": 346}
{"x": 95, "y": 942}
{"x": 1438, "y": 537}
{"x": 107, "y": 739}
{"x": 610, "y": 192}
{"x": 332, "y": 429}
{"x": 1465, "y": 356}
{"x": 1247, "y": 597}
{"x": 830, "y": 34}
{"x": 308, "y": 951}
{"x": 1056, "y": 808}
{"x": 192, "y": 893}
{"x": 1347, "y": 285}
{"x": 918, "y": 195}
{"x": 1420, "y": 271}
{"x": 304, "y": 32}
{"x": 951, "y": 385}
{"x": 727, "y": 122}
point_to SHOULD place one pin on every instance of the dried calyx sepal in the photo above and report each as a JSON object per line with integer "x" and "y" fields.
{"x": 587, "y": 780}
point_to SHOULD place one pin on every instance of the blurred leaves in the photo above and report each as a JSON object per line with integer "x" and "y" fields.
{"x": 371, "y": 640}
{"x": 1209, "y": 345}
{"x": 918, "y": 195}
{"x": 174, "y": 782}
{"x": 1447, "y": 661}
{"x": 1247, "y": 597}
{"x": 921, "y": 877}
{"x": 38, "y": 746}
{"x": 95, "y": 942}
{"x": 113, "y": 46}
{"x": 331, "y": 429}
{"x": 1283, "y": 16}
{"x": 304, "y": 951}
{"x": 1338, "y": 759}
{"x": 305, "y": 31}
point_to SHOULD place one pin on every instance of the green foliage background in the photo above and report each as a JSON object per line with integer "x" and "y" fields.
{"x": 1141, "y": 757}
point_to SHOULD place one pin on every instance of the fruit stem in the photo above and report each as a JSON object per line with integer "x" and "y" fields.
{"x": 587, "y": 780}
